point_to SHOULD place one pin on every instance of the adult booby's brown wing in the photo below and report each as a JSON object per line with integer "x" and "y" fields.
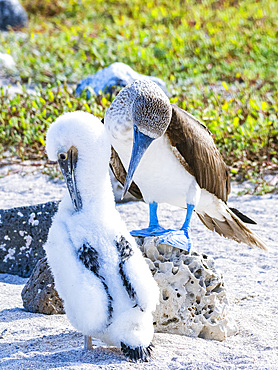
{"x": 193, "y": 145}
{"x": 120, "y": 174}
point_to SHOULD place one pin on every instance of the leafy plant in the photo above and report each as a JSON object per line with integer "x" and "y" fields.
{"x": 218, "y": 58}
{"x": 25, "y": 119}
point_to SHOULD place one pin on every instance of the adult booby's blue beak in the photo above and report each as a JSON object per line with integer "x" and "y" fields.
{"x": 141, "y": 143}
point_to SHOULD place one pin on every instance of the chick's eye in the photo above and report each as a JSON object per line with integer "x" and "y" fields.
{"x": 63, "y": 156}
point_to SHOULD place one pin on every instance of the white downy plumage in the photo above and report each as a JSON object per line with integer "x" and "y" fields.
{"x": 99, "y": 272}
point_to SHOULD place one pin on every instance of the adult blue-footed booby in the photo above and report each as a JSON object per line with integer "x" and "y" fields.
{"x": 99, "y": 272}
{"x": 172, "y": 158}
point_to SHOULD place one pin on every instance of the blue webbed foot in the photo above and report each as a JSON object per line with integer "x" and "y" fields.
{"x": 149, "y": 231}
{"x": 176, "y": 238}
{"x": 154, "y": 228}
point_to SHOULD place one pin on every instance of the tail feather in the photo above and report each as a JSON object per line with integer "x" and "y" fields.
{"x": 244, "y": 218}
{"x": 137, "y": 354}
{"x": 233, "y": 228}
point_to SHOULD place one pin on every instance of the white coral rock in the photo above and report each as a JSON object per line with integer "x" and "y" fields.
{"x": 193, "y": 299}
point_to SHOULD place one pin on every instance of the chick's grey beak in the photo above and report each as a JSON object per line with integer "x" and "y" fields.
{"x": 67, "y": 162}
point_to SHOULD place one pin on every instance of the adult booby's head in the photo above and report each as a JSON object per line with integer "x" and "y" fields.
{"x": 80, "y": 144}
{"x": 149, "y": 112}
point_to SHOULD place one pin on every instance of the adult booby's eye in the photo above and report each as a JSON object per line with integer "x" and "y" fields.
{"x": 63, "y": 156}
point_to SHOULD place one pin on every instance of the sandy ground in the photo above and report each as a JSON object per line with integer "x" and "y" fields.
{"x": 34, "y": 341}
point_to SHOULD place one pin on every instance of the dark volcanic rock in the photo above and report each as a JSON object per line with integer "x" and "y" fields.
{"x": 23, "y": 231}
{"x": 12, "y": 14}
{"x": 39, "y": 293}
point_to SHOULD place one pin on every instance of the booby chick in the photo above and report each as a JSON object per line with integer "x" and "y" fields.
{"x": 172, "y": 158}
{"x": 106, "y": 285}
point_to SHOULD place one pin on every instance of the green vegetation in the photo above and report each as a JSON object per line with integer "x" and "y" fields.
{"x": 219, "y": 59}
